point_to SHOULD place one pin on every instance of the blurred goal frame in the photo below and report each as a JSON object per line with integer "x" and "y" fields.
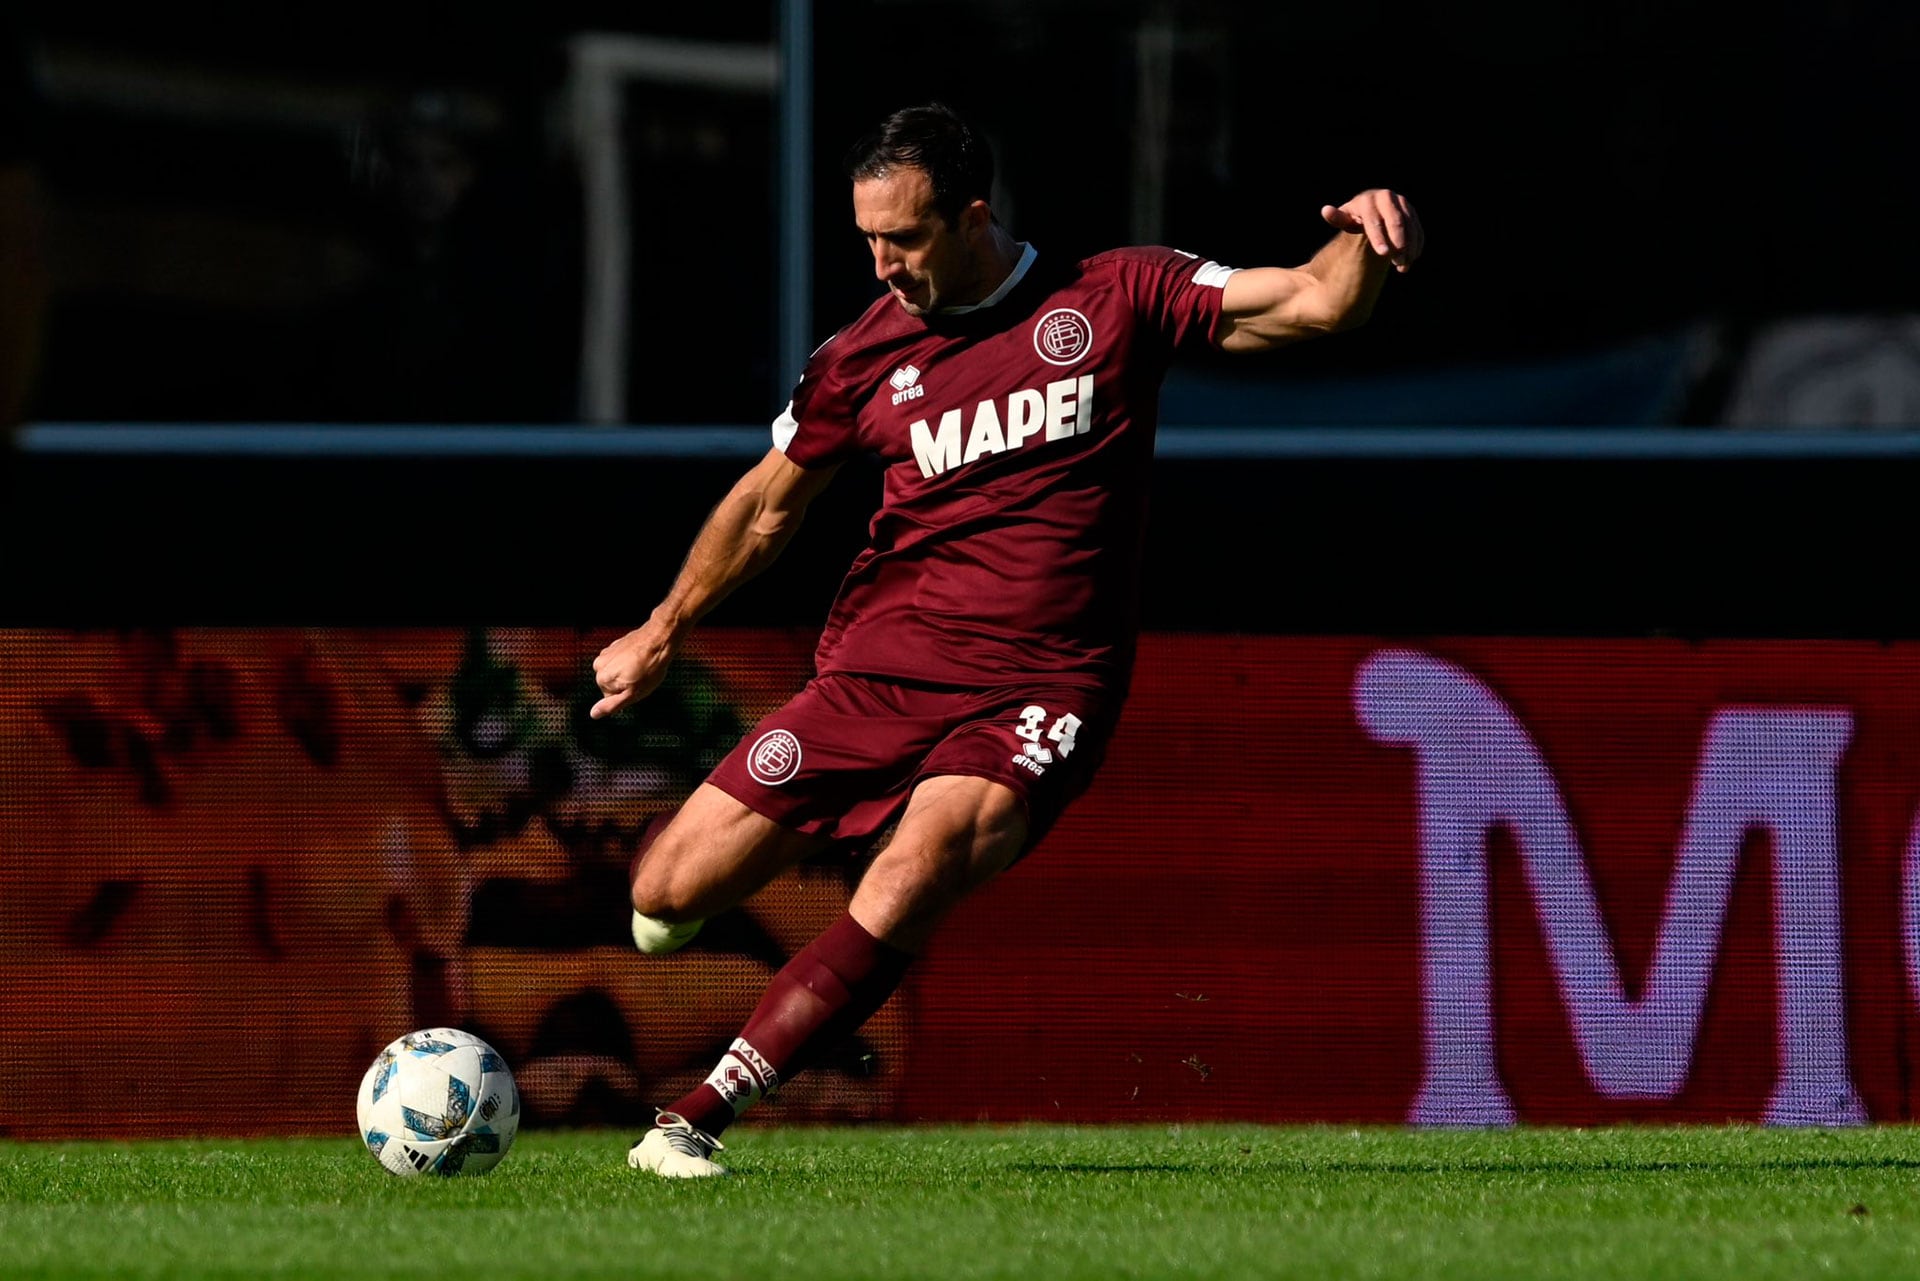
{"x": 600, "y": 67}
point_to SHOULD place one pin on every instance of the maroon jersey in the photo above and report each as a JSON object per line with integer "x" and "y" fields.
{"x": 1016, "y": 438}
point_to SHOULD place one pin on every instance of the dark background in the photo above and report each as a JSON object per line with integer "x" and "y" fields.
{"x": 1589, "y": 173}
{"x": 1592, "y": 176}
{"x": 1778, "y": 547}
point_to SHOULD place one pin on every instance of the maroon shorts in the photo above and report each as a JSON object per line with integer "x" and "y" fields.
{"x": 840, "y": 759}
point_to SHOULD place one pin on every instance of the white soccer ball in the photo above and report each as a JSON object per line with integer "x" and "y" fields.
{"x": 439, "y": 1101}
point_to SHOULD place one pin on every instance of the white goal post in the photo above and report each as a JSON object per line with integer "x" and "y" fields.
{"x": 600, "y": 65}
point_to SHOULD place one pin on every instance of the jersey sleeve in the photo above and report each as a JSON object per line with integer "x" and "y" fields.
{"x": 818, "y": 428}
{"x": 1179, "y": 293}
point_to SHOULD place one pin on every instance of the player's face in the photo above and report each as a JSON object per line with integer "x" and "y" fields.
{"x": 926, "y": 262}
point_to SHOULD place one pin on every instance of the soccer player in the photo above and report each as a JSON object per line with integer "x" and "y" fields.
{"x": 977, "y": 655}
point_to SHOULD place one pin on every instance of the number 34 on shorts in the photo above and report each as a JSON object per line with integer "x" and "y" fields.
{"x": 1035, "y": 755}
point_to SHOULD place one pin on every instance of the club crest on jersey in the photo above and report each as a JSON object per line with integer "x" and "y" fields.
{"x": 1062, "y": 336}
{"x": 906, "y": 384}
{"x": 775, "y": 757}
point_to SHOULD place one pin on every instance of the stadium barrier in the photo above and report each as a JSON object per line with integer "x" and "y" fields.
{"x": 1348, "y": 861}
{"x": 1452, "y": 881}
{"x": 1410, "y": 531}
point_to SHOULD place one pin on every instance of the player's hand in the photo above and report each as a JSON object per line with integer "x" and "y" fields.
{"x": 631, "y": 668}
{"x": 1386, "y": 220}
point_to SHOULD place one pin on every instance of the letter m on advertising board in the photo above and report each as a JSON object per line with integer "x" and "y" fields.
{"x": 1767, "y": 768}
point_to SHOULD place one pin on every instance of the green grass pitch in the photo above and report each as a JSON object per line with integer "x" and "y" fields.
{"x": 1193, "y": 1201}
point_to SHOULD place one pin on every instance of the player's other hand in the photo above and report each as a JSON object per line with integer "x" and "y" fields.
{"x": 1386, "y": 220}
{"x": 631, "y": 668}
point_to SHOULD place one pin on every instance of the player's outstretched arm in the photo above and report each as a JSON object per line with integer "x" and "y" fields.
{"x": 742, "y": 536}
{"x": 1270, "y": 306}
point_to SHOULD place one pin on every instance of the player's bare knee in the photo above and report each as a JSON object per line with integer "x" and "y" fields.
{"x": 666, "y": 895}
{"x": 650, "y": 880}
{"x": 660, "y": 886}
{"x": 665, "y": 914}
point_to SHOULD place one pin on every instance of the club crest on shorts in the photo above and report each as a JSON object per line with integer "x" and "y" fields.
{"x": 775, "y": 757}
{"x": 1062, "y": 336}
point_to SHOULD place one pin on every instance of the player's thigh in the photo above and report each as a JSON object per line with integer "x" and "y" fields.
{"x": 958, "y": 833}
{"x": 1043, "y": 743}
{"x": 715, "y": 853}
{"x": 988, "y": 791}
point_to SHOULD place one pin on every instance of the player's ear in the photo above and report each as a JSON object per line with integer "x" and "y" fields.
{"x": 975, "y": 219}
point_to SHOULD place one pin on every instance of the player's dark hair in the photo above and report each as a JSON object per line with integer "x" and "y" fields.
{"x": 935, "y": 140}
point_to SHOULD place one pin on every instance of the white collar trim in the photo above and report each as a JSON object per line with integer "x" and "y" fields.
{"x": 1027, "y": 255}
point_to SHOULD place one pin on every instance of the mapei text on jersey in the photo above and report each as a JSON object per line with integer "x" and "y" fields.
{"x": 1060, "y": 409}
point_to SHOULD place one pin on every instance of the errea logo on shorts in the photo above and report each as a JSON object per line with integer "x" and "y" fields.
{"x": 1034, "y": 756}
{"x": 1062, "y": 336}
{"x": 775, "y": 758}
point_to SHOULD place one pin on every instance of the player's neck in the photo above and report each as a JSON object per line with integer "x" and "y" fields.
{"x": 1000, "y": 261}
{"x": 1005, "y": 257}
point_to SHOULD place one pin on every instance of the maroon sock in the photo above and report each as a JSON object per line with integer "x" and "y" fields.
{"x": 828, "y": 990}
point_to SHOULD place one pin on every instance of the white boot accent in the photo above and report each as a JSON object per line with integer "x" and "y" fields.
{"x": 673, "y": 1149}
{"x": 656, "y": 937}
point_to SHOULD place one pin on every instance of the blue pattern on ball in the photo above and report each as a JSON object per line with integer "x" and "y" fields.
{"x": 385, "y": 1079}
{"x": 428, "y": 1046}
